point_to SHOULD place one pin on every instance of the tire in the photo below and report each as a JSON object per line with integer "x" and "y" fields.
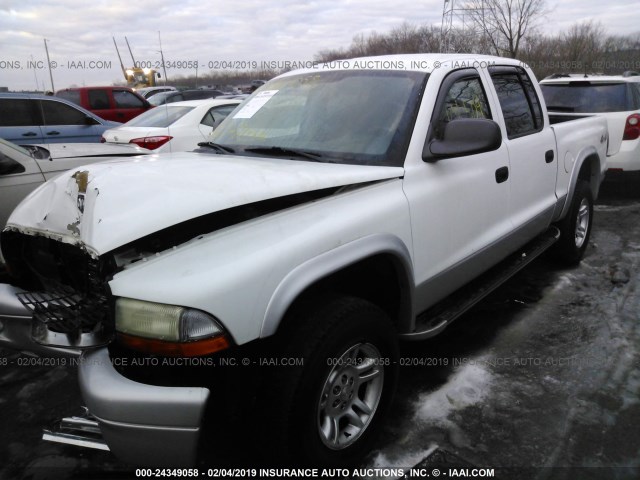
{"x": 327, "y": 411}
{"x": 575, "y": 228}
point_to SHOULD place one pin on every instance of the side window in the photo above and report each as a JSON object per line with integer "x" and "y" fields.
{"x": 98, "y": 100}
{"x": 126, "y": 99}
{"x": 518, "y": 100}
{"x": 17, "y": 113}
{"x": 9, "y": 166}
{"x": 464, "y": 99}
{"x": 216, "y": 114}
{"x": 58, "y": 113}
{"x": 208, "y": 120}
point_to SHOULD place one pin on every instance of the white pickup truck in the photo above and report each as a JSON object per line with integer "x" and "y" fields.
{"x": 339, "y": 210}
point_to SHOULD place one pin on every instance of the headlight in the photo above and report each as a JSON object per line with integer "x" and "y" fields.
{"x": 168, "y": 329}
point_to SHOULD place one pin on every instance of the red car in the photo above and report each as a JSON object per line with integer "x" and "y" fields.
{"x": 119, "y": 104}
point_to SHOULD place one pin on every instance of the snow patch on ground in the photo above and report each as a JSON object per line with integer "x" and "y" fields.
{"x": 407, "y": 460}
{"x": 613, "y": 208}
{"x": 468, "y": 386}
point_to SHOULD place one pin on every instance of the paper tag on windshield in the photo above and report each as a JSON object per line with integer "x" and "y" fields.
{"x": 255, "y": 104}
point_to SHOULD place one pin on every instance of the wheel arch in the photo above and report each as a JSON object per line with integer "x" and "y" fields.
{"x": 337, "y": 270}
{"x": 588, "y": 167}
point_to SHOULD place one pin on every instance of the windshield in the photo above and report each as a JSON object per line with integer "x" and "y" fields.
{"x": 161, "y": 116}
{"x": 353, "y": 116}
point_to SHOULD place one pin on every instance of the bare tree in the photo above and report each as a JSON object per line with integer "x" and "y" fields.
{"x": 505, "y": 23}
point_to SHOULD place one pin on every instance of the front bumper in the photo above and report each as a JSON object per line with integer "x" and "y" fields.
{"x": 15, "y": 327}
{"x": 144, "y": 425}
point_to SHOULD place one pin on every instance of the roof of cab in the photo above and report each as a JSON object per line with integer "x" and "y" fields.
{"x": 422, "y": 62}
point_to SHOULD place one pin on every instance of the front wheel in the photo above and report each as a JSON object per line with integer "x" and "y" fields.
{"x": 575, "y": 228}
{"x": 327, "y": 409}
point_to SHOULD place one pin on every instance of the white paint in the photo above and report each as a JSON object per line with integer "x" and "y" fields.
{"x": 127, "y": 200}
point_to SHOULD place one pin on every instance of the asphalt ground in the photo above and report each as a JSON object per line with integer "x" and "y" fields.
{"x": 540, "y": 380}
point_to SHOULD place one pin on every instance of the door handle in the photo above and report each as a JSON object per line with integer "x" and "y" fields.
{"x": 549, "y": 156}
{"x": 502, "y": 174}
{"x": 29, "y": 134}
{"x": 53, "y": 133}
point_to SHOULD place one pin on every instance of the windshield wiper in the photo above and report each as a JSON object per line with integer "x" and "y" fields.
{"x": 217, "y": 147}
{"x": 277, "y": 151}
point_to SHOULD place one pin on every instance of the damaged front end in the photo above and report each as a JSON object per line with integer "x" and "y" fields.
{"x": 65, "y": 289}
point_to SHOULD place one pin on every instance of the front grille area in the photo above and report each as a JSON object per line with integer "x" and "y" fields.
{"x": 66, "y": 311}
{"x": 66, "y": 289}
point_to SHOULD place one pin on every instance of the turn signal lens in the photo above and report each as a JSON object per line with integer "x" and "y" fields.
{"x": 168, "y": 329}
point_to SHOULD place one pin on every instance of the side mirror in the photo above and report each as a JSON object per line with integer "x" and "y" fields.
{"x": 9, "y": 166}
{"x": 464, "y": 136}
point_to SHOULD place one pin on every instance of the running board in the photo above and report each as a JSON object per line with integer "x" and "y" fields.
{"x": 82, "y": 431}
{"x": 436, "y": 319}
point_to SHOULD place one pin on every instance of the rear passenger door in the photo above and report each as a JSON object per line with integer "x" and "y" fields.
{"x": 459, "y": 205}
{"x": 63, "y": 123}
{"x": 20, "y": 121}
{"x": 532, "y": 151}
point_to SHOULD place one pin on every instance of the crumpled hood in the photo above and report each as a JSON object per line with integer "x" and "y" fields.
{"x": 106, "y": 205}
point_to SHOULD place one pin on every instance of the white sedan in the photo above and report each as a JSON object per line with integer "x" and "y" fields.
{"x": 173, "y": 127}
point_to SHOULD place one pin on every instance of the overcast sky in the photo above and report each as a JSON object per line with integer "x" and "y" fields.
{"x": 79, "y": 32}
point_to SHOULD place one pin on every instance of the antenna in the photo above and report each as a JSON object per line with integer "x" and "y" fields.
{"x": 164, "y": 69}
{"x": 49, "y": 63}
{"x": 124, "y": 71}
{"x": 134, "y": 60}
